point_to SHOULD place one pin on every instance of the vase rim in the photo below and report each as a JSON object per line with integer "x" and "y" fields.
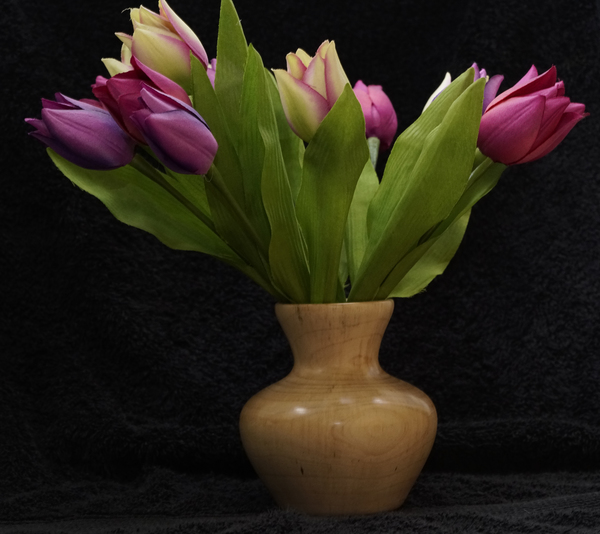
{"x": 335, "y": 304}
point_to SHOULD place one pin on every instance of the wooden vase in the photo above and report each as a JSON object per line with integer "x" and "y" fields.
{"x": 338, "y": 435}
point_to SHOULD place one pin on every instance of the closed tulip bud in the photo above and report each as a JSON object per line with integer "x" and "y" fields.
{"x": 529, "y": 120}
{"x": 175, "y": 132}
{"x": 163, "y": 42}
{"x": 83, "y": 132}
{"x": 380, "y": 117}
{"x": 310, "y": 87}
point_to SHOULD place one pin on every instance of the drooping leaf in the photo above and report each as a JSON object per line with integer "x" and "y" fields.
{"x": 424, "y": 192}
{"x": 332, "y": 166}
{"x": 435, "y": 255}
{"x": 135, "y": 199}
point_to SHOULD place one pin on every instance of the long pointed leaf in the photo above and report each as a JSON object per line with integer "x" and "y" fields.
{"x": 427, "y": 193}
{"x": 136, "y": 200}
{"x": 332, "y": 166}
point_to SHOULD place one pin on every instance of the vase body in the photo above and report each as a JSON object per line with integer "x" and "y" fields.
{"x": 338, "y": 435}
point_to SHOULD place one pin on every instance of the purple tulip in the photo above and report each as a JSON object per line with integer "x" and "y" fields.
{"x": 380, "y": 117}
{"x": 83, "y": 132}
{"x": 175, "y": 132}
{"x": 529, "y": 120}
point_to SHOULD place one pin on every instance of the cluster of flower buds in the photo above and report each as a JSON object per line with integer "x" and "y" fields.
{"x": 146, "y": 102}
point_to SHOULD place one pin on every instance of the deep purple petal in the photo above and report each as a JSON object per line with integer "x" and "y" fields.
{"x": 93, "y": 136}
{"x": 491, "y": 90}
{"x": 180, "y": 141}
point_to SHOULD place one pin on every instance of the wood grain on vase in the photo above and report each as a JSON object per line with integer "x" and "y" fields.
{"x": 338, "y": 435}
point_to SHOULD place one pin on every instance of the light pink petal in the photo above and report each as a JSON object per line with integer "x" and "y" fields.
{"x": 304, "y": 108}
{"x": 335, "y": 76}
{"x": 315, "y": 76}
{"x": 295, "y": 66}
{"x": 184, "y": 32}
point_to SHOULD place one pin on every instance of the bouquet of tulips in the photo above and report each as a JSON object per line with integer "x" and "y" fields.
{"x": 273, "y": 172}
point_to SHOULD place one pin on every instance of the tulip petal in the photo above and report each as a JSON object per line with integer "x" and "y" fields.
{"x": 114, "y": 66}
{"x": 315, "y": 76}
{"x": 295, "y": 66}
{"x": 159, "y": 102}
{"x": 304, "y": 107}
{"x": 180, "y": 142}
{"x": 152, "y": 19}
{"x": 304, "y": 57}
{"x": 185, "y": 32}
{"x": 491, "y": 89}
{"x": 529, "y": 86}
{"x": 507, "y": 132}
{"x": 553, "y": 111}
{"x": 445, "y": 83}
{"x": 335, "y": 77}
{"x": 566, "y": 124}
{"x": 166, "y": 85}
{"x": 164, "y": 53}
{"x": 90, "y": 139}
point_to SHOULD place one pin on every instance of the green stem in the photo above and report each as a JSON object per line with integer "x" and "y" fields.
{"x": 140, "y": 164}
{"x": 214, "y": 177}
{"x": 373, "y": 143}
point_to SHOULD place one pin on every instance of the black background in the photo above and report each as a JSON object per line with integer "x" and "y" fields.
{"x": 124, "y": 364}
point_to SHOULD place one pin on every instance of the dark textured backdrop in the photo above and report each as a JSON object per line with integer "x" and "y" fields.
{"x": 124, "y": 365}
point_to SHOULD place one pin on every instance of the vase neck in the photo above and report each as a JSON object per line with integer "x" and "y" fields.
{"x": 335, "y": 339}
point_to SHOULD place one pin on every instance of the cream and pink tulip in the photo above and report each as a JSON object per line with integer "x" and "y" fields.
{"x": 310, "y": 87}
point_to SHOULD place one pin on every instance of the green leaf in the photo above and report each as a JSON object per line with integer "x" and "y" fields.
{"x": 428, "y": 171}
{"x": 435, "y": 255}
{"x": 333, "y": 162}
{"x": 135, "y": 199}
{"x": 287, "y": 250}
{"x": 292, "y": 147}
{"x": 356, "y": 228}
{"x": 251, "y": 146}
{"x": 232, "y": 53}
{"x": 206, "y": 103}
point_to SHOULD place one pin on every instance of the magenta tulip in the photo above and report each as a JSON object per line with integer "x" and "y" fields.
{"x": 121, "y": 94}
{"x": 529, "y": 120}
{"x": 83, "y": 132}
{"x": 380, "y": 117}
{"x": 175, "y": 132}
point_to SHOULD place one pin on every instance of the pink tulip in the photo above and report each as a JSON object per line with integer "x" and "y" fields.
{"x": 175, "y": 132}
{"x": 380, "y": 117}
{"x": 83, "y": 132}
{"x": 529, "y": 120}
{"x": 310, "y": 87}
